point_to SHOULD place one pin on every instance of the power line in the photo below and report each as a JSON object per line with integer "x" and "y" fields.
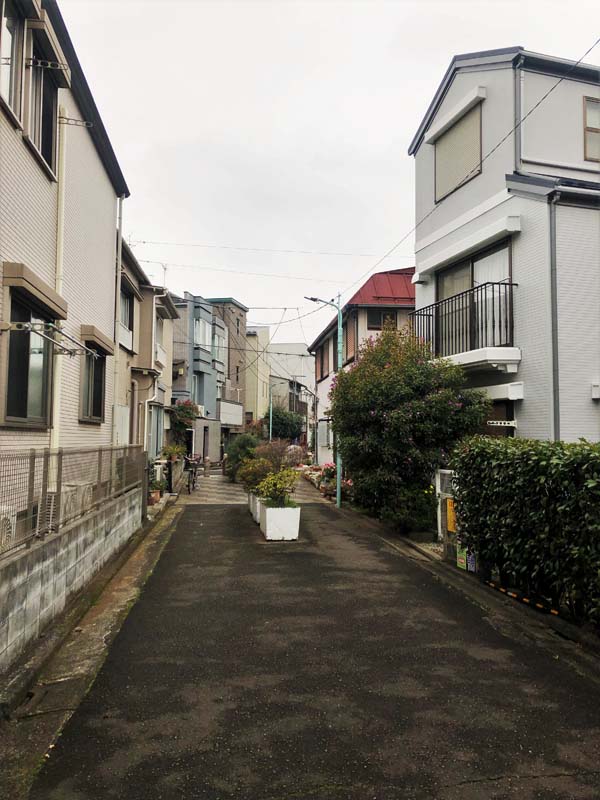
{"x": 258, "y": 249}
{"x": 479, "y": 163}
{"x": 239, "y": 271}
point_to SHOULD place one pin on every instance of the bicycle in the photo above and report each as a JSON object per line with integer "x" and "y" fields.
{"x": 191, "y": 467}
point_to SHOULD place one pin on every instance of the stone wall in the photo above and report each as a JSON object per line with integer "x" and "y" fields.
{"x": 37, "y": 583}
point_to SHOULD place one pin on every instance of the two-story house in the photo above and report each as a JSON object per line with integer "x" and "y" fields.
{"x": 258, "y": 370}
{"x": 199, "y": 355}
{"x": 507, "y": 276}
{"x": 60, "y": 188}
{"x": 385, "y": 298}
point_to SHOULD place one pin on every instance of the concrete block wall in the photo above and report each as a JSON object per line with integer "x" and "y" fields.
{"x": 36, "y": 584}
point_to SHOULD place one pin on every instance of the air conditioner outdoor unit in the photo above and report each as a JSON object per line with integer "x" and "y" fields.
{"x": 8, "y": 527}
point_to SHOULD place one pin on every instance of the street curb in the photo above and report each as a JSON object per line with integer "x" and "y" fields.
{"x": 473, "y": 587}
{"x": 25, "y": 671}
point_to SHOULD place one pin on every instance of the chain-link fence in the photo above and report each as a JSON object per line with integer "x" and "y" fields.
{"x": 41, "y": 491}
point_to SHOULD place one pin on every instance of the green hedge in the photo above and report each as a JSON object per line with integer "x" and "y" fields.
{"x": 532, "y": 510}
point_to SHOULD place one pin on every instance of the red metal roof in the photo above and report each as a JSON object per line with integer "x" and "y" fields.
{"x": 392, "y": 288}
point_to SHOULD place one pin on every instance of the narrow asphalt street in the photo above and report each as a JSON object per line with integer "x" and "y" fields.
{"x": 330, "y": 668}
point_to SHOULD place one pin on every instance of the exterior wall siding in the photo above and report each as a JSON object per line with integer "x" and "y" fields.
{"x": 578, "y": 278}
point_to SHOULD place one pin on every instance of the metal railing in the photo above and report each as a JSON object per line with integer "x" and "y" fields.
{"x": 41, "y": 491}
{"x": 479, "y": 317}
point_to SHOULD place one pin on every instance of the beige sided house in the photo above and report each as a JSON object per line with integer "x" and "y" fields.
{"x": 258, "y": 371}
{"x": 60, "y": 187}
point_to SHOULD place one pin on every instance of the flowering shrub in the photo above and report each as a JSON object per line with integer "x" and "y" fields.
{"x": 252, "y": 471}
{"x": 397, "y": 414}
{"x": 277, "y": 487}
{"x": 328, "y": 473}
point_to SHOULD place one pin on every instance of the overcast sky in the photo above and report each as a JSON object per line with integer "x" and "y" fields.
{"x": 284, "y": 125}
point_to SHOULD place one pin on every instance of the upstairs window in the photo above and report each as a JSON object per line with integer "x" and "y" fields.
{"x": 377, "y": 320}
{"x": 29, "y": 364}
{"x": 92, "y": 401}
{"x": 42, "y": 107}
{"x": 591, "y": 143}
{"x": 202, "y": 333}
{"x": 458, "y": 154}
{"x": 12, "y": 26}
{"x": 126, "y": 310}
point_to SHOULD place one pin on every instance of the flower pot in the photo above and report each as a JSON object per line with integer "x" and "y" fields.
{"x": 256, "y": 509}
{"x": 279, "y": 524}
{"x": 153, "y": 497}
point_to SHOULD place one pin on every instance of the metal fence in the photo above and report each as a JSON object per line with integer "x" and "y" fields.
{"x": 479, "y": 317}
{"x": 41, "y": 491}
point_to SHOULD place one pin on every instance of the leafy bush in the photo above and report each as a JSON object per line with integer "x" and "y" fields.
{"x": 252, "y": 471}
{"x": 397, "y": 414}
{"x": 277, "y": 487}
{"x": 530, "y": 509}
{"x": 183, "y": 416}
{"x": 275, "y": 452}
{"x": 174, "y": 451}
{"x": 286, "y": 424}
{"x": 241, "y": 447}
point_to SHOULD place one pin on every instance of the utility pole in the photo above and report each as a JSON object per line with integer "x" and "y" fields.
{"x": 340, "y": 333}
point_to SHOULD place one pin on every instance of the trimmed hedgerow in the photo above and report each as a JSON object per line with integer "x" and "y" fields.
{"x": 531, "y": 510}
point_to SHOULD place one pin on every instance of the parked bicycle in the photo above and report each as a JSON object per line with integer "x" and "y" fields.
{"x": 191, "y": 467}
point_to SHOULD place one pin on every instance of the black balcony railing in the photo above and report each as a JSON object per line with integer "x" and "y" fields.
{"x": 479, "y": 317}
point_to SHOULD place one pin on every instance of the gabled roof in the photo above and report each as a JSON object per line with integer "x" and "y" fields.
{"x": 391, "y": 288}
{"x": 131, "y": 261}
{"x": 506, "y": 56}
{"x": 87, "y": 105}
{"x": 223, "y": 301}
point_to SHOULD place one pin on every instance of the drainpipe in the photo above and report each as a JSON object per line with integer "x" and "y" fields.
{"x": 118, "y": 268}
{"x": 58, "y": 278}
{"x": 152, "y": 356}
{"x": 134, "y": 408}
{"x": 518, "y": 101}
{"x": 554, "y": 321}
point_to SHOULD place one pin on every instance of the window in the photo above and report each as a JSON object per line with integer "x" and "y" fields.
{"x": 591, "y": 144}
{"x": 159, "y": 330}
{"x": 218, "y": 347}
{"x": 458, "y": 154}
{"x": 237, "y": 374}
{"x": 219, "y": 391}
{"x": 11, "y": 50}
{"x": 197, "y": 388}
{"x": 202, "y": 333}
{"x": 29, "y": 364}
{"x": 376, "y": 319}
{"x": 94, "y": 371}
{"x": 126, "y": 310}
{"x": 237, "y": 326}
{"x": 42, "y": 107}
{"x": 349, "y": 343}
{"x": 322, "y": 361}
{"x": 335, "y": 352}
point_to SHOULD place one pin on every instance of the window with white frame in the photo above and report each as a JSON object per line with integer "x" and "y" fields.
{"x": 43, "y": 105}
{"x": 202, "y": 334}
{"x": 12, "y": 28}
{"x": 591, "y": 144}
{"x": 159, "y": 330}
{"x": 126, "y": 313}
{"x": 218, "y": 347}
{"x": 458, "y": 153}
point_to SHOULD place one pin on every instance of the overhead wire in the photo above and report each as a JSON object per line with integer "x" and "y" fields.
{"x": 238, "y": 271}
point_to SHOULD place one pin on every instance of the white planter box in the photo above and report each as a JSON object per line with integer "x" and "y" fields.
{"x": 256, "y": 504}
{"x": 279, "y": 524}
{"x": 251, "y": 503}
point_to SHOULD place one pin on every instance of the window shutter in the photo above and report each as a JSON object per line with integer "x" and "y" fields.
{"x": 351, "y": 337}
{"x": 458, "y": 153}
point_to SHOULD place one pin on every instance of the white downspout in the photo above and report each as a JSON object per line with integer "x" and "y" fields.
{"x": 152, "y": 356}
{"x": 118, "y": 269}
{"x": 59, "y": 275}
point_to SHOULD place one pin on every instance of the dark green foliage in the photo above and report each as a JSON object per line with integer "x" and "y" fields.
{"x": 532, "y": 509}
{"x": 286, "y": 424}
{"x": 397, "y": 414}
{"x": 241, "y": 447}
{"x": 183, "y": 416}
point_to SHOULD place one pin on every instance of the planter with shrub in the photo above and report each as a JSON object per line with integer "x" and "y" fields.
{"x": 250, "y": 473}
{"x": 279, "y": 515}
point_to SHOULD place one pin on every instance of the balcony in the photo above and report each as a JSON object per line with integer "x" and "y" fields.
{"x": 473, "y": 328}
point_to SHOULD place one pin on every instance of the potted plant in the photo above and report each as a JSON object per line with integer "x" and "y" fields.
{"x": 251, "y": 472}
{"x": 155, "y": 489}
{"x": 279, "y": 515}
{"x": 172, "y": 452}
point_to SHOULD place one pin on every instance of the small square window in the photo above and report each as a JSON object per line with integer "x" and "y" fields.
{"x": 374, "y": 320}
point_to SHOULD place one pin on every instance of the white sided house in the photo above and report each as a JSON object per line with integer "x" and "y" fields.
{"x": 508, "y": 238}
{"x": 386, "y": 297}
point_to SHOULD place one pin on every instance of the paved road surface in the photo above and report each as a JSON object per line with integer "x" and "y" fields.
{"x": 325, "y": 669}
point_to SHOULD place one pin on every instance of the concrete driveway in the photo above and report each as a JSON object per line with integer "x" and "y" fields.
{"x": 329, "y": 668}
